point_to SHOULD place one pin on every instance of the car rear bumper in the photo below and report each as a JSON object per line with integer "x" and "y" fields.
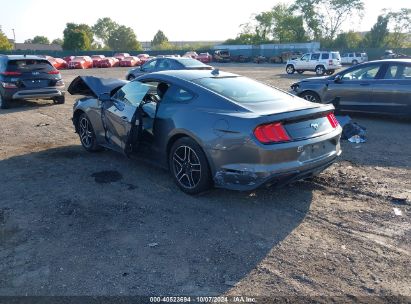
{"x": 295, "y": 162}
{"x": 39, "y": 93}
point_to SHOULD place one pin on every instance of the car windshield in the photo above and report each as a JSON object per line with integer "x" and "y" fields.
{"x": 28, "y": 65}
{"x": 241, "y": 89}
{"x": 188, "y": 62}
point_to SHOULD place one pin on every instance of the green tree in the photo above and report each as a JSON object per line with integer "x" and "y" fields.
{"x": 58, "y": 41}
{"x": 103, "y": 29}
{"x": 325, "y": 18}
{"x": 5, "y": 44}
{"x": 159, "y": 39}
{"x": 347, "y": 41}
{"x": 400, "y": 23}
{"x": 123, "y": 38}
{"x": 80, "y": 27}
{"x": 76, "y": 40}
{"x": 286, "y": 26}
{"x": 164, "y": 46}
{"x": 378, "y": 34}
{"x": 41, "y": 40}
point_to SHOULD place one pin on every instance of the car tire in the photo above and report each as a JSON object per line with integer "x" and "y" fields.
{"x": 330, "y": 72}
{"x": 131, "y": 77}
{"x": 311, "y": 96}
{"x": 300, "y": 71}
{"x": 354, "y": 62}
{"x": 59, "y": 99}
{"x": 4, "y": 102}
{"x": 189, "y": 166}
{"x": 319, "y": 70}
{"x": 290, "y": 69}
{"x": 86, "y": 133}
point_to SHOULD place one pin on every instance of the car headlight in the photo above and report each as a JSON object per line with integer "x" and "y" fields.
{"x": 295, "y": 87}
{"x": 59, "y": 83}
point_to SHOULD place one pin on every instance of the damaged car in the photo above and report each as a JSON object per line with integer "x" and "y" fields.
{"x": 208, "y": 127}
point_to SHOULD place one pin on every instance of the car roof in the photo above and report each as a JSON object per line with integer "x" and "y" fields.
{"x": 19, "y": 57}
{"x": 190, "y": 75}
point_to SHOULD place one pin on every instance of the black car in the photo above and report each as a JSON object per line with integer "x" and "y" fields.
{"x": 167, "y": 63}
{"x": 382, "y": 86}
{"x": 28, "y": 77}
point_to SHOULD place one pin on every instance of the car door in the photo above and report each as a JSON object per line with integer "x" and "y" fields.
{"x": 353, "y": 91}
{"x": 314, "y": 61}
{"x": 120, "y": 116}
{"x": 392, "y": 91}
{"x": 303, "y": 62}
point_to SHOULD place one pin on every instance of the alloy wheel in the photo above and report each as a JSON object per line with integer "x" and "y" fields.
{"x": 86, "y": 133}
{"x": 186, "y": 167}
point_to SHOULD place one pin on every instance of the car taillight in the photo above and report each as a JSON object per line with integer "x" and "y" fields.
{"x": 53, "y": 72}
{"x": 8, "y": 73}
{"x": 271, "y": 133}
{"x": 8, "y": 85}
{"x": 333, "y": 120}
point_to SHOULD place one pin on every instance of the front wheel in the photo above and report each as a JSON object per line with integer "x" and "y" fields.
{"x": 189, "y": 167}
{"x": 311, "y": 96}
{"x": 86, "y": 132}
{"x": 290, "y": 69}
{"x": 354, "y": 62}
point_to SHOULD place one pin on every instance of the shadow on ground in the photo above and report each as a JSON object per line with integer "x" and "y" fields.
{"x": 75, "y": 223}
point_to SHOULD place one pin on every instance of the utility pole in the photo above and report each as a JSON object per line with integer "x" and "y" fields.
{"x": 14, "y": 39}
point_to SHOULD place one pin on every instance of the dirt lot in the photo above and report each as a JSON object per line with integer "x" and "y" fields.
{"x": 75, "y": 223}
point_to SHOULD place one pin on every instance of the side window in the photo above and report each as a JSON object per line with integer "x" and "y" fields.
{"x": 351, "y": 55}
{"x": 177, "y": 94}
{"x": 344, "y": 55}
{"x": 368, "y": 72}
{"x": 306, "y": 57}
{"x": 392, "y": 71}
{"x": 406, "y": 73}
{"x": 315, "y": 56}
{"x": 132, "y": 93}
{"x": 149, "y": 66}
{"x": 325, "y": 56}
{"x": 164, "y": 64}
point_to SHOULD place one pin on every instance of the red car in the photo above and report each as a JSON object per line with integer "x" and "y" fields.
{"x": 130, "y": 61}
{"x": 96, "y": 59}
{"x": 205, "y": 57}
{"x": 81, "y": 62}
{"x": 121, "y": 56}
{"x": 108, "y": 62}
{"x": 57, "y": 63}
{"x": 68, "y": 58}
{"x": 144, "y": 58}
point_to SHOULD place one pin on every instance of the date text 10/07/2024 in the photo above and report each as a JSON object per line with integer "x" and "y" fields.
{"x": 233, "y": 299}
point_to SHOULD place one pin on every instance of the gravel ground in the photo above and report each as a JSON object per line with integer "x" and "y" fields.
{"x": 75, "y": 223}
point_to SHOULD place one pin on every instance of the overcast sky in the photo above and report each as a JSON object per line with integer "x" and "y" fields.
{"x": 180, "y": 20}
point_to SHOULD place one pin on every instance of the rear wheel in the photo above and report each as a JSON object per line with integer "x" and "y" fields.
{"x": 86, "y": 133}
{"x": 4, "y": 102}
{"x": 290, "y": 69}
{"x": 189, "y": 167}
{"x": 354, "y": 62}
{"x": 59, "y": 99}
{"x": 311, "y": 96}
{"x": 319, "y": 70}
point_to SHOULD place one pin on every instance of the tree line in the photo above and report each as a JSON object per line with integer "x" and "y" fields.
{"x": 105, "y": 34}
{"x": 317, "y": 20}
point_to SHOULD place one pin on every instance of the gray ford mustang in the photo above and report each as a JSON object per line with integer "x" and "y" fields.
{"x": 208, "y": 127}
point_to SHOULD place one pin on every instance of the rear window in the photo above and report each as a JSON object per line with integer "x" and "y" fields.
{"x": 189, "y": 62}
{"x": 28, "y": 65}
{"x": 336, "y": 56}
{"x": 241, "y": 89}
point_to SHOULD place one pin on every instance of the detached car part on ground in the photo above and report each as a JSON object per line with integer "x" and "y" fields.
{"x": 29, "y": 77}
{"x": 208, "y": 127}
{"x": 381, "y": 87}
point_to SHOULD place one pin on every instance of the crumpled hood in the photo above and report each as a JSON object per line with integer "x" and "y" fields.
{"x": 94, "y": 86}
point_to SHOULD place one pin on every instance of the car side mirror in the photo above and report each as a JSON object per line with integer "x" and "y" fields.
{"x": 337, "y": 78}
{"x": 104, "y": 97}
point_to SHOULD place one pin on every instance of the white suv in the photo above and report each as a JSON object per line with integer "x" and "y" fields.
{"x": 354, "y": 58}
{"x": 319, "y": 62}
